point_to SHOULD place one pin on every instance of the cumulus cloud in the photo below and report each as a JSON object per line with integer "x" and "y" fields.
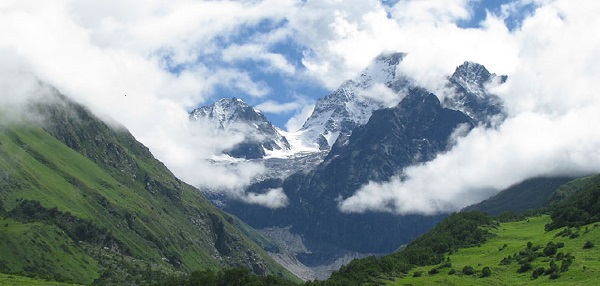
{"x": 381, "y": 93}
{"x": 171, "y": 56}
{"x": 275, "y": 62}
{"x": 271, "y": 106}
{"x": 431, "y": 11}
{"x": 341, "y": 38}
{"x": 273, "y": 198}
{"x": 552, "y": 99}
{"x": 295, "y": 122}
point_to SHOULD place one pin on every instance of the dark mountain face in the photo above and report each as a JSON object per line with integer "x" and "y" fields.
{"x": 234, "y": 115}
{"x": 346, "y": 108}
{"x": 414, "y": 131}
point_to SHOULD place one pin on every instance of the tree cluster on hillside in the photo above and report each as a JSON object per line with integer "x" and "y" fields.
{"x": 224, "y": 277}
{"x": 526, "y": 257}
{"x": 577, "y": 210}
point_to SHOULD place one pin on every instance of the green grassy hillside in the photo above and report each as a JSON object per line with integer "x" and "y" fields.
{"x": 44, "y": 250}
{"x": 72, "y": 179}
{"x": 510, "y": 239}
{"x": 13, "y": 280}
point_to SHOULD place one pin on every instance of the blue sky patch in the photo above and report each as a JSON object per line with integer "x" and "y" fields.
{"x": 513, "y": 19}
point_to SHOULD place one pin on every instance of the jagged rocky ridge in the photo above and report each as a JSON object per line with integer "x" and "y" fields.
{"x": 352, "y": 104}
{"x": 469, "y": 94}
{"x": 348, "y": 107}
{"x": 234, "y": 115}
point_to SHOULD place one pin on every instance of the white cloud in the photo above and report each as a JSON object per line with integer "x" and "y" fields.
{"x": 99, "y": 51}
{"x": 295, "y": 122}
{"x": 431, "y": 11}
{"x": 341, "y": 38}
{"x": 101, "y": 57}
{"x": 16, "y": 82}
{"x": 274, "y": 62}
{"x": 186, "y": 28}
{"x": 271, "y": 106}
{"x": 241, "y": 81}
{"x": 552, "y": 100}
{"x": 433, "y": 57}
{"x": 380, "y": 92}
{"x": 273, "y": 198}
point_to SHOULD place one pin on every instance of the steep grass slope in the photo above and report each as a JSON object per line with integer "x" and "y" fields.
{"x": 72, "y": 179}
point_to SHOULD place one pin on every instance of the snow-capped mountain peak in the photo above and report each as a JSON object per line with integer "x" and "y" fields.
{"x": 228, "y": 111}
{"x": 381, "y": 70}
{"x": 352, "y": 104}
{"x": 469, "y": 83}
{"x": 234, "y": 115}
{"x": 472, "y": 77}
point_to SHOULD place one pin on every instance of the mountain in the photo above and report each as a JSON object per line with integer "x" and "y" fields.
{"x": 414, "y": 131}
{"x": 470, "y": 95}
{"x": 352, "y": 104}
{"x": 378, "y": 86}
{"x": 364, "y": 136}
{"x": 569, "y": 189}
{"x": 579, "y": 208}
{"x": 534, "y": 194}
{"x": 363, "y": 139}
{"x": 84, "y": 202}
{"x": 528, "y": 195}
{"x": 235, "y": 116}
